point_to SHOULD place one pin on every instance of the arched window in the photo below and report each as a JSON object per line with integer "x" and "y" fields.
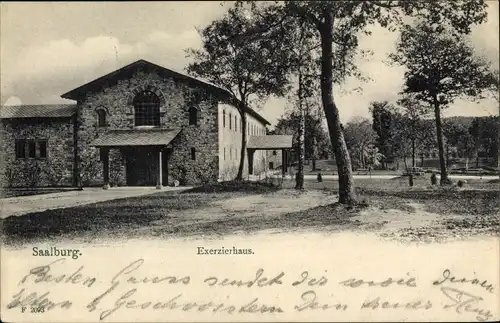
{"x": 230, "y": 121}
{"x": 147, "y": 109}
{"x": 193, "y": 116}
{"x": 223, "y": 118}
{"x": 101, "y": 117}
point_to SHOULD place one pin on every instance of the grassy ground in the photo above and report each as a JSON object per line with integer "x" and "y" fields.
{"x": 391, "y": 208}
{"x": 329, "y": 167}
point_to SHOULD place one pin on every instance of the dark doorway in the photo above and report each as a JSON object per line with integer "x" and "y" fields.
{"x": 164, "y": 167}
{"x": 250, "y": 161}
{"x": 142, "y": 166}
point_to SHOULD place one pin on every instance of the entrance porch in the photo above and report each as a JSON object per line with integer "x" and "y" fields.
{"x": 275, "y": 143}
{"x": 145, "y": 154}
{"x": 144, "y": 166}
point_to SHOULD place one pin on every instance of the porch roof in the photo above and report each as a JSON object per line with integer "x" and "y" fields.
{"x": 270, "y": 142}
{"x": 135, "y": 137}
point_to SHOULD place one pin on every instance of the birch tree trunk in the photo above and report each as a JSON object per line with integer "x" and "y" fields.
{"x": 299, "y": 179}
{"x": 413, "y": 161}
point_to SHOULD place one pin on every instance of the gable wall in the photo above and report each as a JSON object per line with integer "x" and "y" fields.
{"x": 117, "y": 100}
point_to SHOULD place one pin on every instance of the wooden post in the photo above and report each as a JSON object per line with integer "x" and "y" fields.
{"x": 105, "y": 167}
{"x": 250, "y": 161}
{"x": 160, "y": 173}
{"x": 283, "y": 162}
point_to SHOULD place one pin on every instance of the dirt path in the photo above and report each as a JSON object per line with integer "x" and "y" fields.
{"x": 263, "y": 206}
{"x": 393, "y": 219}
{"x": 34, "y": 203}
{"x": 270, "y": 205}
{"x": 415, "y": 224}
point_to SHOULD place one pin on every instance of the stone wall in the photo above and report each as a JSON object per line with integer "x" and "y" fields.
{"x": 117, "y": 172}
{"x": 208, "y": 138}
{"x": 54, "y": 170}
{"x": 175, "y": 101}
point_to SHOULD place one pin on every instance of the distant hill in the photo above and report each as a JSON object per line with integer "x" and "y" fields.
{"x": 465, "y": 121}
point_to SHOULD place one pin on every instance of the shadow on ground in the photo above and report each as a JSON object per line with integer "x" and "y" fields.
{"x": 93, "y": 219}
{"x": 235, "y": 186}
{"x": 174, "y": 214}
{"x": 441, "y": 201}
{"x": 320, "y": 217}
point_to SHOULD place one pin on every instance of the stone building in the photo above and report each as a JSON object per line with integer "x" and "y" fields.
{"x": 141, "y": 125}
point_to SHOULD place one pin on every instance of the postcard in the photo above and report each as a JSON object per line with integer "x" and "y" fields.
{"x": 250, "y": 161}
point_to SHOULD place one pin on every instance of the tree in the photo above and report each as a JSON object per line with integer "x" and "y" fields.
{"x": 373, "y": 156}
{"x": 401, "y": 140}
{"x": 426, "y": 138}
{"x": 336, "y": 25}
{"x": 301, "y": 65}
{"x": 495, "y": 91}
{"x": 441, "y": 67}
{"x": 360, "y": 139}
{"x": 416, "y": 131}
{"x": 484, "y": 133}
{"x": 315, "y": 133}
{"x": 458, "y": 135}
{"x": 384, "y": 126}
{"x": 317, "y": 137}
{"x": 250, "y": 69}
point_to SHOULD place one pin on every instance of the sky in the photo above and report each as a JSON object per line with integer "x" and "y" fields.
{"x": 48, "y": 49}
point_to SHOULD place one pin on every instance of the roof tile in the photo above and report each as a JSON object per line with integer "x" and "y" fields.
{"x": 135, "y": 137}
{"x": 37, "y": 111}
{"x": 270, "y": 142}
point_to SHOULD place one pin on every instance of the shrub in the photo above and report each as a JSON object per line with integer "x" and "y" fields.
{"x": 10, "y": 177}
{"x": 447, "y": 181}
{"x": 179, "y": 173}
{"x": 32, "y": 174}
{"x": 55, "y": 172}
{"x": 89, "y": 171}
{"x": 207, "y": 172}
{"x": 433, "y": 179}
